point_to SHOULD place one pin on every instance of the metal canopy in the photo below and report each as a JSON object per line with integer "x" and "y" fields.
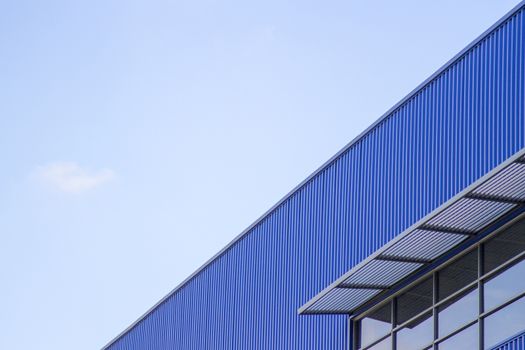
{"x": 464, "y": 216}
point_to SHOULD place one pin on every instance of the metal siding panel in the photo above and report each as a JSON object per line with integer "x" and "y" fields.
{"x": 458, "y": 127}
{"x": 515, "y": 343}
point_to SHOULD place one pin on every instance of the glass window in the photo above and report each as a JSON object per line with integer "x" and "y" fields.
{"x": 504, "y": 246}
{"x": 416, "y": 334}
{"x": 382, "y": 345}
{"x": 414, "y": 301}
{"x": 505, "y": 285}
{"x": 458, "y": 312}
{"x": 416, "y": 314}
{"x": 376, "y": 325}
{"x": 504, "y": 323}
{"x": 458, "y": 274}
{"x": 466, "y": 339}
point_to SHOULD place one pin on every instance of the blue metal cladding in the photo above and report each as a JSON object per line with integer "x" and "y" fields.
{"x": 458, "y": 126}
{"x": 515, "y": 343}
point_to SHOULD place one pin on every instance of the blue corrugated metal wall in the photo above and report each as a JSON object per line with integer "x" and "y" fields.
{"x": 456, "y": 128}
{"x": 515, "y": 343}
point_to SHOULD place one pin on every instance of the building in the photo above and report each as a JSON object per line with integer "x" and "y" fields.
{"x": 411, "y": 237}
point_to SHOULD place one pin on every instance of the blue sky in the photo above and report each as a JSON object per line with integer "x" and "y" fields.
{"x": 137, "y": 138}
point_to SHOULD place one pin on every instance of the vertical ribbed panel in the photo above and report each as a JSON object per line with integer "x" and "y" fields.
{"x": 455, "y": 129}
{"x": 515, "y": 343}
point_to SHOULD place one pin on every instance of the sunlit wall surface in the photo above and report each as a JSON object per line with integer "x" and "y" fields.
{"x": 458, "y": 126}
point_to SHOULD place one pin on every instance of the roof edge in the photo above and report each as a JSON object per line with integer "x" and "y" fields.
{"x": 325, "y": 165}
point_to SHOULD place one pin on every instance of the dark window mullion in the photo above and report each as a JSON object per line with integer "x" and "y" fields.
{"x": 394, "y": 321}
{"x": 481, "y": 329}
{"x": 352, "y": 327}
{"x": 435, "y": 298}
{"x": 357, "y": 339}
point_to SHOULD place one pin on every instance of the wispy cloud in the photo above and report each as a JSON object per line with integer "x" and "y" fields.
{"x": 70, "y": 177}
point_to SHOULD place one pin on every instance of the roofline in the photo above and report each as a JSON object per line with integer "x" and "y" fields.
{"x": 303, "y": 310}
{"x": 325, "y": 165}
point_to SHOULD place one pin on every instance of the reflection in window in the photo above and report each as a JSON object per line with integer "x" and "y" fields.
{"x": 414, "y": 301}
{"x": 504, "y": 246}
{"x": 504, "y": 323}
{"x": 457, "y": 312}
{"x": 466, "y": 339}
{"x": 383, "y": 345}
{"x": 416, "y": 334}
{"x": 458, "y": 274}
{"x": 507, "y": 284}
{"x": 376, "y": 325}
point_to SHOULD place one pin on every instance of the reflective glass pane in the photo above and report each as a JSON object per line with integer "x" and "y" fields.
{"x": 504, "y": 323}
{"x": 458, "y": 274}
{"x": 376, "y": 325}
{"x": 416, "y": 334}
{"x": 466, "y": 339}
{"x": 504, "y": 246}
{"x": 383, "y": 345}
{"x": 416, "y": 300}
{"x": 458, "y": 312}
{"x": 505, "y": 285}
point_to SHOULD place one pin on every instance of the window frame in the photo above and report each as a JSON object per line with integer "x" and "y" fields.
{"x": 478, "y": 284}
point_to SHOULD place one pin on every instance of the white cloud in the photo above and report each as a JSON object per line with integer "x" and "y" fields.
{"x": 70, "y": 177}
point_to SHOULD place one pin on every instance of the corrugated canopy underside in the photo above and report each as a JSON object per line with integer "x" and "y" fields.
{"x": 464, "y": 216}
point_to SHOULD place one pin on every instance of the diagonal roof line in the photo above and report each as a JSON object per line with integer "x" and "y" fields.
{"x": 325, "y": 165}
